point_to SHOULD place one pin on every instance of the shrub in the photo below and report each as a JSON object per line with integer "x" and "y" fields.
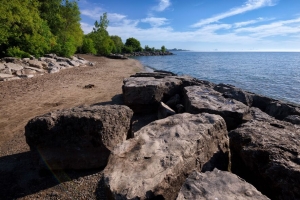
{"x": 16, "y": 52}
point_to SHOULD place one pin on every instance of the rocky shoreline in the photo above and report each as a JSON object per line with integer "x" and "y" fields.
{"x": 177, "y": 137}
{"x": 14, "y": 68}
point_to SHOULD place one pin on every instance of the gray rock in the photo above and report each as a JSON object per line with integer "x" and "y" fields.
{"x": 35, "y": 69}
{"x": 78, "y": 138}
{"x": 218, "y": 185}
{"x": 280, "y": 110}
{"x": 53, "y": 70}
{"x": 6, "y": 77}
{"x": 62, "y": 59}
{"x": 35, "y": 64}
{"x": 50, "y": 55}
{"x": 13, "y": 67}
{"x": 191, "y": 81}
{"x": 294, "y": 119}
{"x": 199, "y": 99}
{"x": 25, "y": 73}
{"x": 5, "y": 71}
{"x": 173, "y": 101}
{"x": 143, "y": 94}
{"x": 160, "y": 74}
{"x": 47, "y": 60}
{"x": 230, "y": 91}
{"x": 73, "y": 63}
{"x": 267, "y": 154}
{"x": 180, "y": 108}
{"x": 164, "y": 111}
{"x": 158, "y": 160}
{"x": 2, "y": 66}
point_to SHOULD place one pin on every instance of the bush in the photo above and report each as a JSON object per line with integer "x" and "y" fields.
{"x": 16, "y": 52}
{"x": 88, "y": 46}
{"x": 127, "y": 49}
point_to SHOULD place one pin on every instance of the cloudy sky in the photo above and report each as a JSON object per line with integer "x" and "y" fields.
{"x": 201, "y": 25}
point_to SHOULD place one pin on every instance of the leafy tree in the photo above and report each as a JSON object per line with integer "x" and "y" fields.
{"x": 163, "y": 49}
{"x": 88, "y": 46}
{"x": 118, "y": 44}
{"x": 134, "y": 43}
{"x": 147, "y": 48}
{"x": 21, "y": 28}
{"x": 127, "y": 49}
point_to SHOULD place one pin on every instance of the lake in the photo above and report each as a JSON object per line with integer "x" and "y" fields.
{"x": 272, "y": 74}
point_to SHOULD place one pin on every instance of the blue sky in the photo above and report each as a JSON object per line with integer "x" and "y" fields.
{"x": 201, "y": 25}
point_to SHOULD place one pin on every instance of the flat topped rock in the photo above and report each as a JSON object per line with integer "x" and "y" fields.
{"x": 6, "y": 76}
{"x": 78, "y": 138}
{"x": 13, "y": 66}
{"x": 267, "y": 154}
{"x": 160, "y": 156}
{"x": 143, "y": 94}
{"x": 199, "y": 99}
{"x": 218, "y": 185}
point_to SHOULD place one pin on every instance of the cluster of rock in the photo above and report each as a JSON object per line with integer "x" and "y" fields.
{"x": 14, "y": 68}
{"x": 201, "y": 128}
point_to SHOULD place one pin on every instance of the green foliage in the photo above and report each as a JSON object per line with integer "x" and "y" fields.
{"x": 118, "y": 44}
{"x": 134, "y": 43}
{"x": 163, "y": 49}
{"x": 127, "y": 49}
{"x": 147, "y": 48}
{"x": 21, "y": 27}
{"x": 88, "y": 46}
{"x": 16, "y": 52}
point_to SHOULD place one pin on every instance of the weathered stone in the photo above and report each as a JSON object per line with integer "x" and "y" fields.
{"x": 153, "y": 74}
{"x": 47, "y": 60}
{"x": 294, "y": 119}
{"x": 73, "y": 63}
{"x": 199, "y": 99}
{"x": 157, "y": 161}
{"x": 25, "y": 72}
{"x": 5, "y": 77}
{"x": 78, "y": 138}
{"x": 143, "y": 94}
{"x": 35, "y": 64}
{"x": 164, "y": 111}
{"x": 218, "y": 185}
{"x": 280, "y": 110}
{"x": 180, "y": 108}
{"x": 261, "y": 102}
{"x": 191, "y": 81}
{"x": 50, "y": 55}
{"x": 2, "y": 66}
{"x": 35, "y": 69}
{"x": 13, "y": 67}
{"x": 5, "y": 71}
{"x": 267, "y": 154}
{"x": 230, "y": 91}
{"x": 62, "y": 59}
{"x": 53, "y": 70}
{"x": 26, "y": 75}
{"x": 173, "y": 101}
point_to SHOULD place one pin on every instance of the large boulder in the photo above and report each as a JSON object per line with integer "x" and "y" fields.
{"x": 7, "y": 77}
{"x": 218, "y": 185}
{"x": 200, "y": 99}
{"x": 266, "y": 153}
{"x": 36, "y": 64}
{"x": 144, "y": 94}
{"x": 159, "y": 74}
{"x": 156, "y": 162}
{"x": 230, "y": 91}
{"x": 78, "y": 138}
{"x": 294, "y": 119}
{"x": 13, "y": 67}
{"x": 280, "y": 110}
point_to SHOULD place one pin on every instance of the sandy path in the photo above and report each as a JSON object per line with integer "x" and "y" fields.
{"x": 24, "y": 99}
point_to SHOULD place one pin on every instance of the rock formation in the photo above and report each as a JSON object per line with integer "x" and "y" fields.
{"x": 78, "y": 138}
{"x": 160, "y": 156}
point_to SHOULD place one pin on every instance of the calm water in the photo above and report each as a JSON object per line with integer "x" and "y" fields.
{"x": 275, "y": 74}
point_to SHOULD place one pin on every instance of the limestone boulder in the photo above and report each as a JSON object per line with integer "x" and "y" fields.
{"x": 267, "y": 154}
{"x": 35, "y": 69}
{"x": 2, "y": 66}
{"x": 218, "y": 185}
{"x": 200, "y": 99}
{"x": 156, "y": 162}
{"x": 230, "y": 91}
{"x": 62, "y": 59}
{"x": 143, "y": 94}
{"x": 294, "y": 119}
{"x": 280, "y": 110}
{"x": 191, "y": 81}
{"x": 78, "y": 138}
{"x": 7, "y": 77}
{"x": 164, "y": 111}
{"x": 36, "y": 64}
{"x": 155, "y": 74}
{"x": 14, "y": 67}
{"x": 73, "y": 63}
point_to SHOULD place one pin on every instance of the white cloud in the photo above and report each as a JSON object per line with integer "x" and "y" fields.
{"x": 278, "y": 28}
{"x": 163, "y": 4}
{"x": 87, "y": 28}
{"x": 97, "y": 12}
{"x": 155, "y": 21}
{"x": 248, "y": 6}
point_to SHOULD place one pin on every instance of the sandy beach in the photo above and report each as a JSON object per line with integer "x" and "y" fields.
{"x": 21, "y": 100}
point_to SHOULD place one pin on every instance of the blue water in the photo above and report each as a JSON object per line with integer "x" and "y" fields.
{"x": 271, "y": 74}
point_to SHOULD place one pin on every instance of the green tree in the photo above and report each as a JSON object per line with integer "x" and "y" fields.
{"x": 134, "y": 43}
{"x": 22, "y": 28}
{"x": 118, "y": 44}
{"x": 163, "y": 49}
{"x": 147, "y": 48}
{"x": 88, "y": 46}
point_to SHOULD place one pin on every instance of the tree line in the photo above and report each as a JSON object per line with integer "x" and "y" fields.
{"x": 37, "y": 27}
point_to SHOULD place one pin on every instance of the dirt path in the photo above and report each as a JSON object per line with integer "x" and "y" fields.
{"x": 24, "y": 99}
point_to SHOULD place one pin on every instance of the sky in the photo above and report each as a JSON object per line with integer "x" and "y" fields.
{"x": 200, "y": 25}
